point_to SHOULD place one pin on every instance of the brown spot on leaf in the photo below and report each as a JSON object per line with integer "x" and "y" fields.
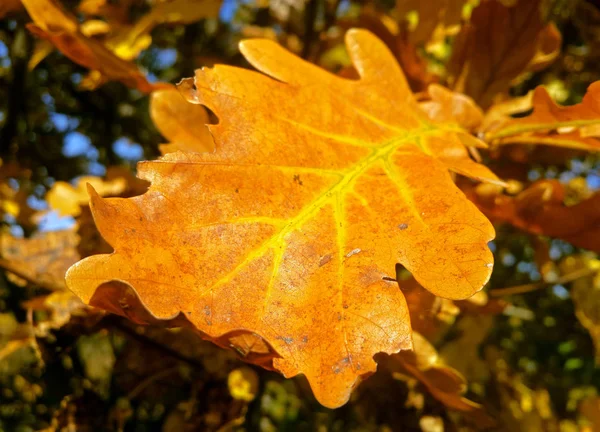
{"x": 324, "y": 260}
{"x": 353, "y": 252}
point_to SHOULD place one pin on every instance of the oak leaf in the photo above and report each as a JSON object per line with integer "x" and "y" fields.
{"x": 540, "y": 209}
{"x": 53, "y": 23}
{"x": 444, "y": 383}
{"x": 67, "y": 199}
{"x": 183, "y": 123}
{"x": 499, "y": 44}
{"x": 43, "y": 258}
{"x": 430, "y": 315}
{"x": 397, "y": 38}
{"x": 291, "y": 229}
{"x": 126, "y": 40}
{"x": 59, "y": 306}
{"x": 575, "y": 126}
{"x": 447, "y": 106}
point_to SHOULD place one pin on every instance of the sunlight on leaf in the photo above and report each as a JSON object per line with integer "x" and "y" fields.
{"x": 339, "y": 204}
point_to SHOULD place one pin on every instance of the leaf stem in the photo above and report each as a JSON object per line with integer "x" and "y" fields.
{"x": 522, "y": 289}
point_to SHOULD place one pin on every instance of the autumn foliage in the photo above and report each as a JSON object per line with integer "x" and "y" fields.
{"x": 329, "y": 201}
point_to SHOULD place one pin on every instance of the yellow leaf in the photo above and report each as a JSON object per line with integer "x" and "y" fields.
{"x": 183, "y": 123}
{"x": 67, "y": 199}
{"x": 55, "y": 25}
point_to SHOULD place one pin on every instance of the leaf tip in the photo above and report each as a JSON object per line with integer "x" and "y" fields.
{"x": 91, "y": 191}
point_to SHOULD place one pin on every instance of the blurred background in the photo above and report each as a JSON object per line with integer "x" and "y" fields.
{"x": 526, "y": 352}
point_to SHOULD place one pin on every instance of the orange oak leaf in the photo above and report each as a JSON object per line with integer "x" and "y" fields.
{"x": 183, "y": 123}
{"x": 444, "y": 383}
{"x": 497, "y": 45}
{"x": 539, "y": 209}
{"x": 499, "y": 113}
{"x": 548, "y": 45}
{"x": 292, "y": 227}
{"x": 396, "y": 38}
{"x": 452, "y": 107}
{"x": 576, "y": 126}
{"x": 54, "y": 24}
{"x": 431, "y": 316}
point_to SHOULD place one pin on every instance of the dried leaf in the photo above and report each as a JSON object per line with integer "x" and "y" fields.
{"x": 447, "y": 106}
{"x": 500, "y": 112}
{"x": 548, "y": 48}
{"x": 61, "y": 305}
{"x": 43, "y": 258}
{"x": 183, "y": 123}
{"x": 127, "y": 41}
{"x": 54, "y": 24}
{"x": 429, "y": 315}
{"x": 443, "y": 382}
{"x": 397, "y": 39}
{"x": 67, "y": 199}
{"x": 540, "y": 209}
{"x": 496, "y": 46}
{"x": 41, "y": 50}
{"x": 291, "y": 228}
{"x": 572, "y": 126}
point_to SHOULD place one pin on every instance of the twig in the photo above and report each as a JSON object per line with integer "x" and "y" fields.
{"x": 117, "y": 323}
{"x": 310, "y": 15}
{"x": 521, "y": 289}
{"x": 149, "y": 380}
